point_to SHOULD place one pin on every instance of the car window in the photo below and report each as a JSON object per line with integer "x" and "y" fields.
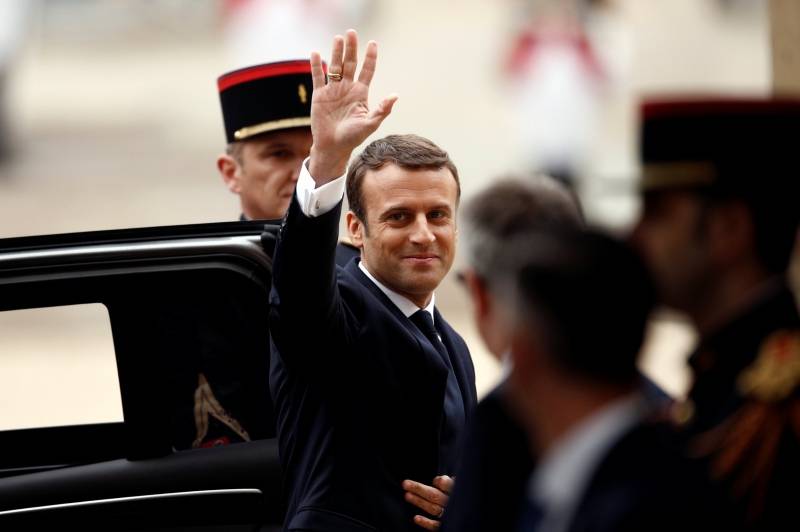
{"x": 57, "y": 367}
{"x": 185, "y": 358}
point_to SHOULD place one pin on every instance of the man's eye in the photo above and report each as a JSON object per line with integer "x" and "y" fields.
{"x": 397, "y": 216}
{"x": 436, "y": 215}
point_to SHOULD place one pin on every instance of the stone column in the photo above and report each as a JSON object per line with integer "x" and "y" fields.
{"x": 784, "y": 16}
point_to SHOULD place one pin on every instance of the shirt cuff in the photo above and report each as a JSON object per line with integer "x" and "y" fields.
{"x": 317, "y": 201}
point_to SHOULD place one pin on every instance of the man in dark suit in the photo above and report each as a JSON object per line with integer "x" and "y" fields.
{"x": 496, "y": 459}
{"x": 372, "y": 387}
{"x": 720, "y": 219}
{"x": 603, "y": 462}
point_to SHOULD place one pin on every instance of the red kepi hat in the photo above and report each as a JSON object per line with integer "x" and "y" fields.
{"x": 266, "y": 97}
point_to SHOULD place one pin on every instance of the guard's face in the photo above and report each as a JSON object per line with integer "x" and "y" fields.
{"x": 268, "y": 171}
{"x": 671, "y": 235}
{"x": 410, "y": 239}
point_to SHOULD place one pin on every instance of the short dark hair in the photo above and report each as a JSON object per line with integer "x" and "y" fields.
{"x": 511, "y": 206}
{"x": 234, "y": 149}
{"x": 589, "y": 297}
{"x": 410, "y": 152}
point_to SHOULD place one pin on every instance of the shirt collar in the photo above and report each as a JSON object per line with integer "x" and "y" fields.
{"x": 559, "y": 481}
{"x": 406, "y": 306}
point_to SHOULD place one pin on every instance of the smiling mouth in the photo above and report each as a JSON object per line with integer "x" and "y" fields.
{"x": 421, "y": 258}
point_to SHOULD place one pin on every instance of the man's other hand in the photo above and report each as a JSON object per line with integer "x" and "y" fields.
{"x": 340, "y": 115}
{"x": 430, "y": 499}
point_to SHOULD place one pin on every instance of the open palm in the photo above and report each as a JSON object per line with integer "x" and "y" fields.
{"x": 340, "y": 115}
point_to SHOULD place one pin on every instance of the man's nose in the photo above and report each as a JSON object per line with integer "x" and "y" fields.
{"x": 421, "y": 232}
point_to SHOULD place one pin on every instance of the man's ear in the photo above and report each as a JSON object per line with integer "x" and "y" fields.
{"x": 355, "y": 228}
{"x": 477, "y": 291}
{"x": 731, "y": 232}
{"x": 229, "y": 170}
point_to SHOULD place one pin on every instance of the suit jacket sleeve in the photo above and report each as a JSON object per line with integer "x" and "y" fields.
{"x": 306, "y": 311}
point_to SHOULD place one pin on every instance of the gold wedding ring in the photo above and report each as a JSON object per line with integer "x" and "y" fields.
{"x": 334, "y": 76}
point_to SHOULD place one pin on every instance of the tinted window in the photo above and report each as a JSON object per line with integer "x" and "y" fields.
{"x": 57, "y": 367}
{"x": 192, "y": 358}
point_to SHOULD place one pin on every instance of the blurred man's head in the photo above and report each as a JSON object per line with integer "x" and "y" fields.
{"x": 582, "y": 304}
{"x": 266, "y": 110}
{"x": 720, "y": 191}
{"x": 510, "y": 208}
{"x": 403, "y": 192}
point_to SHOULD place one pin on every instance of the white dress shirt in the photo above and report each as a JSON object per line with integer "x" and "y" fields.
{"x": 315, "y": 201}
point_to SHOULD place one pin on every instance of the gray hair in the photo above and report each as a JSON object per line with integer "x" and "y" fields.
{"x": 497, "y": 220}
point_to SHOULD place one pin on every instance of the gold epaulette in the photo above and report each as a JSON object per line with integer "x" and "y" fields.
{"x": 775, "y": 373}
{"x": 744, "y": 448}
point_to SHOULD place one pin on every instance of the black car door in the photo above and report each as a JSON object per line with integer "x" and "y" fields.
{"x": 191, "y": 446}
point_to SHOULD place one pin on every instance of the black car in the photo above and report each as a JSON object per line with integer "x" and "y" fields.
{"x": 194, "y": 449}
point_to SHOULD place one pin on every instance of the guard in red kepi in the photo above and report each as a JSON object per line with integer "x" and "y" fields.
{"x": 721, "y": 189}
{"x": 267, "y": 115}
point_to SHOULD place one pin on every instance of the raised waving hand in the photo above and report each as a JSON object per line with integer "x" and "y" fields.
{"x": 340, "y": 115}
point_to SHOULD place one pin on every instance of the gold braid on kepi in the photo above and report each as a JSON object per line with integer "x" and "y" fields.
{"x": 745, "y": 447}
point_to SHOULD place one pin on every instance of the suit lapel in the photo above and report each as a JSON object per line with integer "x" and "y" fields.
{"x": 432, "y": 357}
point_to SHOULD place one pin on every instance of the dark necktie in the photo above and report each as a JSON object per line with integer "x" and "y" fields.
{"x": 453, "y": 416}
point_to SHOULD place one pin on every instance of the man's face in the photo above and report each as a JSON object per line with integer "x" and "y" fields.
{"x": 267, "y": 171}
{"x": 671, "y": 236}
{"x": 410, "y": 239}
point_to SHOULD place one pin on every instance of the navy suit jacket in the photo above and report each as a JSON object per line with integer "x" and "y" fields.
{"x": 358, "y": 389}
{"x": 644, "y": 482}
{"x": 496, "y": 464}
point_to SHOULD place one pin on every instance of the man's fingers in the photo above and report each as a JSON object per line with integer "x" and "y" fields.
{"x": 350, "y": 55}
{"x": 317, "y": 73}
{"x": 428, "y": 493}
{"x": 370, "y": 60}
{"x": 337, "y": 51}
{"x": 444, "y": 483}
{"x": 425, "y": 505}
{"x": 382, "y": 110}
{"x": 427, "y": 524}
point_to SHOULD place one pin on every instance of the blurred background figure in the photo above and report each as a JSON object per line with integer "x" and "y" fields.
{"x": 565, "y": 60}
{"x": 262, "y": 31}
{"x": 604, "y": 462}
{"x": 719, "y": 225}
{"x": 500, "y": 225}
{"x": 496, "y": 458}
{"x": 13, "y": 30}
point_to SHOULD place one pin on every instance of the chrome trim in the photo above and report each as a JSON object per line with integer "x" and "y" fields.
{"x": 248, "y": 246}
{"x": 134, "y": 498}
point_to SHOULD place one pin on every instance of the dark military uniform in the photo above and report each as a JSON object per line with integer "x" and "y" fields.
{"x": 743, "y": 412}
